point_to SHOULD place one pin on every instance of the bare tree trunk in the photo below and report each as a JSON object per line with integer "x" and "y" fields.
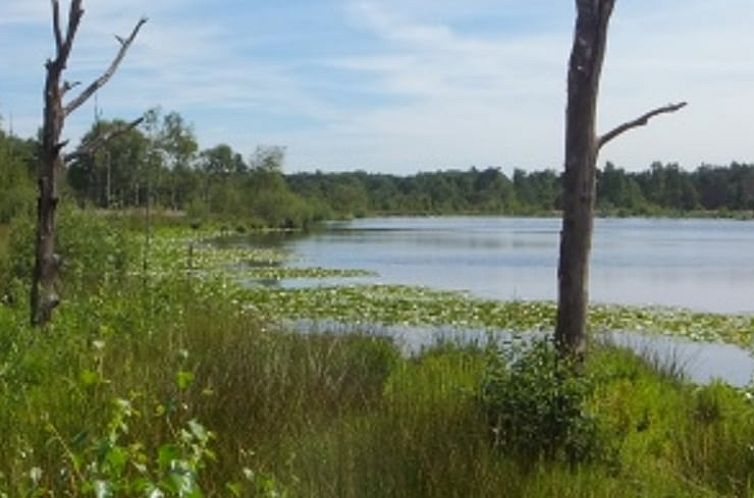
{"x": 44, "y": 296}
{"x": 581, "y": 151}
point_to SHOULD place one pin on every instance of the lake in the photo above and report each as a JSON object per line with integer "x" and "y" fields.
{"x": 706, "y": 265}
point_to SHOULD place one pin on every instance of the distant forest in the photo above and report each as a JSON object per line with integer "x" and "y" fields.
{"x": 162, "y": 162}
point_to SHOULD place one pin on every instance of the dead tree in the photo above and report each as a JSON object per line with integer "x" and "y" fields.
{"x": 581, "y": 150}
{"x": 44, "y": 296}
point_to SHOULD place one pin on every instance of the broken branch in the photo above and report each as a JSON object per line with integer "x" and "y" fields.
{"x": 102, "y": 140}
{"x": 74, "y": 18}
{"x": 99, "y": 82}
{"x": 68, "y": 86}
{"x": 640, "y": 121}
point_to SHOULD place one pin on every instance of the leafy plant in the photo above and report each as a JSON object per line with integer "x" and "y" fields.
{"x": 534, "y": 401}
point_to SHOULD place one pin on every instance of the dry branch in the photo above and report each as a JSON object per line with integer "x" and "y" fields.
{"x": 56, "y": 25}
{"x": 640, "y": 121}
{"x": 102, "y": 140}
{"x": 68, "y": 86}
{"x": 75, "y": 13}
{"x": 99, "y": 82}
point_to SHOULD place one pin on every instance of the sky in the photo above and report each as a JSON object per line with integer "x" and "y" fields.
{"x": 400, "y": 86}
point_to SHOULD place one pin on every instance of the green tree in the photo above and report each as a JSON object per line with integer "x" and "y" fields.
{"x": 178, "y": 146}
{"x": 217, "y": 164}
{"x": 115, "y": 174}
{"x": 618, "y": 190}
{"x": 17, "y": 158}
{"x": 268, "y": 158}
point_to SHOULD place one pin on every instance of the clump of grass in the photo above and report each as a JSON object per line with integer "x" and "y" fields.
{"x": 429, "y": 437}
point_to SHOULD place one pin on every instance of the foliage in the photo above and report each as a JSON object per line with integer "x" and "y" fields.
{"x": 163, "y": 163}
{"x": 93, "y": 250}
{"x": 659, "y": 190}
{"x": 17, "y": 158}
{"x": 109, "y": 466}
{"x": 114, "y": 175}
{"x": 373, "y": 305}
{"x": 535, "y": 404}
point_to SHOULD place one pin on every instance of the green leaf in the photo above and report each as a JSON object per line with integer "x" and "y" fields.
{"x": 117, "y": 459}
{"x": 184, "y": 379}
{"x": 234, "y": 488}
{"x": 89, "y": 377}
{"x": 167, "y": 454}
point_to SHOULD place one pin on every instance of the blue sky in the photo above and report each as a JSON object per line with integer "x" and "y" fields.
{"x": 401, "y": 86}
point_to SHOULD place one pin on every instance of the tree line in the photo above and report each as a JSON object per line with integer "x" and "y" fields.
{"x": 659, "y": 189}
{"x": 160, "y": 163}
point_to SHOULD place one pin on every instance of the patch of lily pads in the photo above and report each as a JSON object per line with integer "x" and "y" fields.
{"x": 172, "y": 251}
{"x": 289, "y": 273}
{"x": 181, "y": 252}
{"x": 419, "y": 306}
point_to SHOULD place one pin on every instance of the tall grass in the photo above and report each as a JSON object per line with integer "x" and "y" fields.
{"x": 316, "y": 415}
{"x": 4, "y": 229}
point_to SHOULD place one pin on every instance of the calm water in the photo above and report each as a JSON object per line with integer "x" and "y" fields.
{"x": 705, "y": 265}
{"x": 700, "y": 264}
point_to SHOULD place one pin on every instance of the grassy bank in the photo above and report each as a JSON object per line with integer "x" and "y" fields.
{"x": 176, "y": 379}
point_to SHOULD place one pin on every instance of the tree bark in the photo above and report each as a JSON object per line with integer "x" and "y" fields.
{"x": 581, "y": 149}
{"x": 44, "y": 294}
{"x": 584, "y": 71}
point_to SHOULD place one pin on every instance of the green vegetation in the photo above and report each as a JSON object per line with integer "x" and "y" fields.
{"x": 661, "y": 190}
{"x": 535, "y": 406}
{"x": 176, "y": 381}
{"x": 161, "y": 165}
{"x": 3, "y": 242}
{"x": 17, "y": 162}
{"x": 164, "y": 164}
{"x": 401, "y": 305}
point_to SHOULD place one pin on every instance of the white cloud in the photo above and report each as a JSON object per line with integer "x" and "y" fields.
{"x": 462, "y": 99}
{"x": 500, "y": 100}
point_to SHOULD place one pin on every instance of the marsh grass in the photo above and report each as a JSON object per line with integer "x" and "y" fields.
{"x": 318, "y": 415}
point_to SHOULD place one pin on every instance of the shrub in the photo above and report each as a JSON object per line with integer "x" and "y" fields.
{"x": 94, "y": 249}
{"x": 534, "y": 403}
